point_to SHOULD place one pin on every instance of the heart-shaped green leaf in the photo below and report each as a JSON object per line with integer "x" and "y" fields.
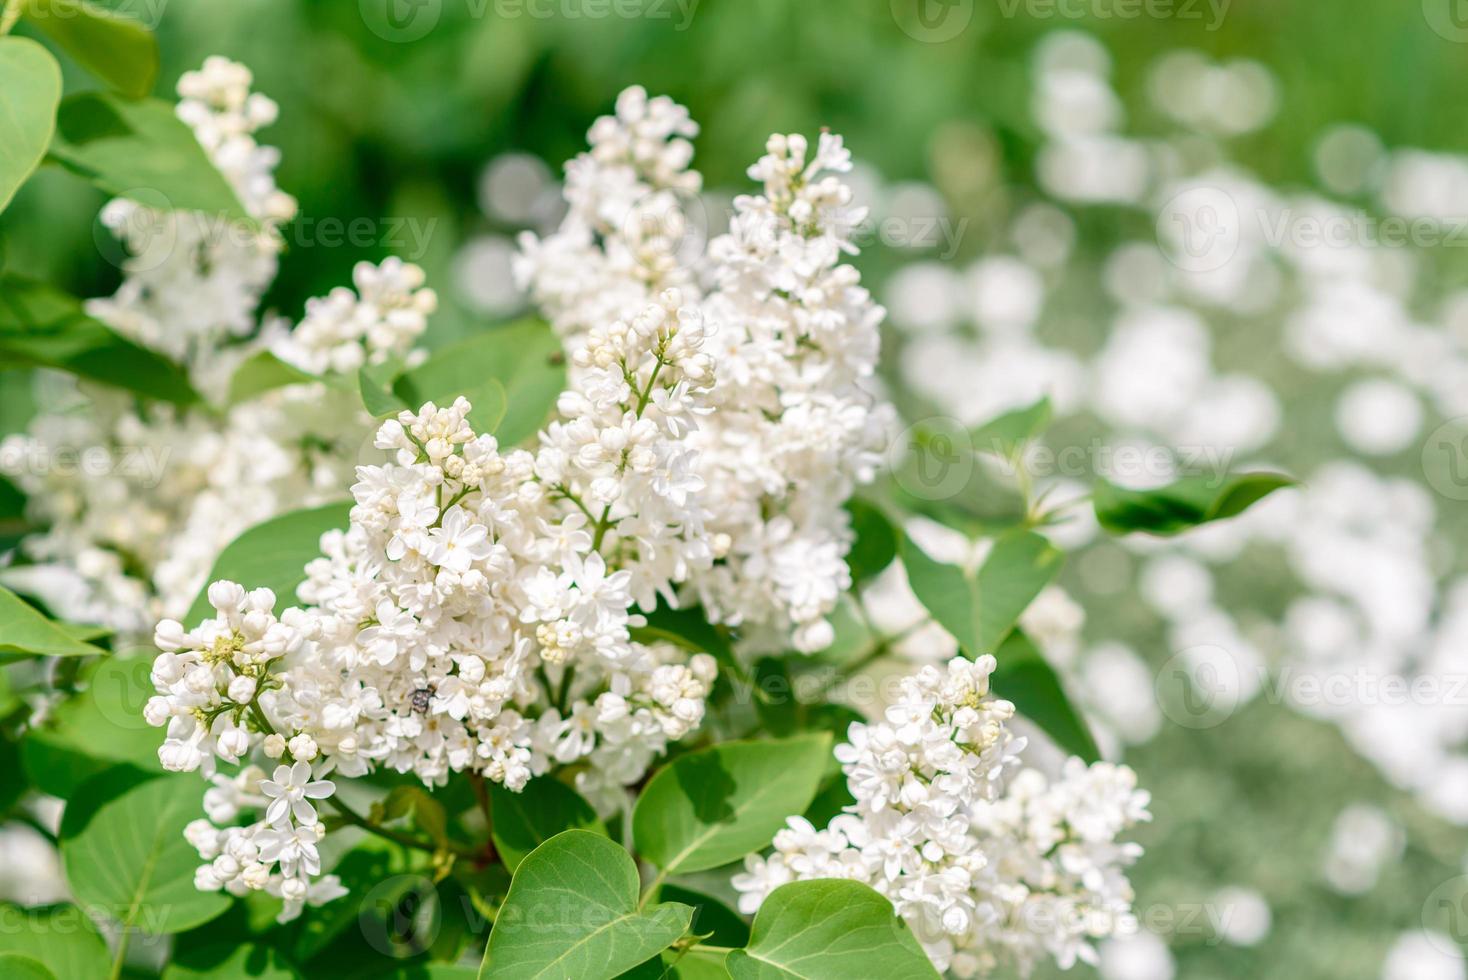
{"x": 829, "y": 929}
{"x": 980, "y": 607}
{"x": 274, "y": 554}
{"x": 711, "y": 807}
{"x": 572, "y": 912}
{"x": 123, "y": 848}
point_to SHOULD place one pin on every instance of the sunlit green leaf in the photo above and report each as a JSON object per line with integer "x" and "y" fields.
{"x": 572, "y": 912}
{"x": 117, "y": 49}
{"x": 274, "y": 554}
{"x": 829, "y": 929}
{"x": 30, "y": 90}
{"x": 714, "y": 806}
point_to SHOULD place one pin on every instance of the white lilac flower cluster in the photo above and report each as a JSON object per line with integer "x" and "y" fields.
{"x": 138, "y": 500}
{"x": 989, "y": 863}
{"x": 476, "y": 615}
{"x": 795, "y": 337}
{"x": 195, "y": 279}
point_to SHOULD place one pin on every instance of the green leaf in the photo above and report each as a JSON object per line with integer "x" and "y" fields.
{"x": 525, "y": 820}
{"x": 40, "y": 326}
{"x": 30, "y": 90}
{"x": 1026, "y": 678}
{"x": 123, "y": 848}
{"x": 708, "y": 808}
{"x": 1007, "y": 435}
{"x": 14, "y": 966}
{"x": 105, "y": 721}
{"x": 487, "y": 398}
{"x": 141, "y": 150}
{"x": 572, "y": 912}
{"x": 261, "y": 373}
{"x": 875, "y": 546}
{"x": 375, "y": 383}
{"x": 61, "y": 938}
{"x": 1182, "y": 505}
{"x": 117, "y": 49}
{"x": 525, "y": 360}
{"x": 829, "y": 929}
{"x": 230, "y": 961}
{"x": 25, "y": 631}
{"x": 274, "y": 554}
{"x": 690, "y": 629}
{"x": 981, "y": 607}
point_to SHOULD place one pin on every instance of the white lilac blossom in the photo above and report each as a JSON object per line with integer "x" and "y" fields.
{"x": 990, "y": 864}
{"x": 476, "y": 614}
{"x": 793, "y": 334}
{"x": 131, "y": 535}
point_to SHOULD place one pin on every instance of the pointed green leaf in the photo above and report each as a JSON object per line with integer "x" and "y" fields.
{"x": 1182, "y": 505}
{"x": 711, "y": 807}
{"x": 1026, "y": 678}
{"x": 40, "y": 326}
{"x": 544, "y": 808}
{"x": 249, "y": 962}
{"x": 572, "y": 912}
{"x": 261, "y": 373}
{"x": 274, "y": 554}
{"x": 141, "y": 150}
{"x": 875, "y": 546}
{"x": 524, "y": 358}
{"x": 30, "y": 90}
{"x": 123, "y": 848}
{"x": 14, "y": 966}
{"x": 829, "y": 929}
{"x": 25, "y": 631}
{"x": 980, "y": 607}
{"x": 117, "y": 49}
{"x": 1007, "y": 435}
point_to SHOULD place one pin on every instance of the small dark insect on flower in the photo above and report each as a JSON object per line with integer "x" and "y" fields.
{"x": 421, "y": 699}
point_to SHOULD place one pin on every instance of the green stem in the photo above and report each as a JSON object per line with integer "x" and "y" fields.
{"x": 397, "y": 837}
{"x": 123, "y": 937}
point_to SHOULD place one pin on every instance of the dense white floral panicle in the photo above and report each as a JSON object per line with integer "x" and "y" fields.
{"x": 793, "y": 334}
{"x": 476, "y": 615}
{"x": 793, "y": 431}
{"x": 626, "y": 231}
{"x": 193, "y": 280}
{"x": 346, "y": 329}
{"x": 990, "y": 864}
